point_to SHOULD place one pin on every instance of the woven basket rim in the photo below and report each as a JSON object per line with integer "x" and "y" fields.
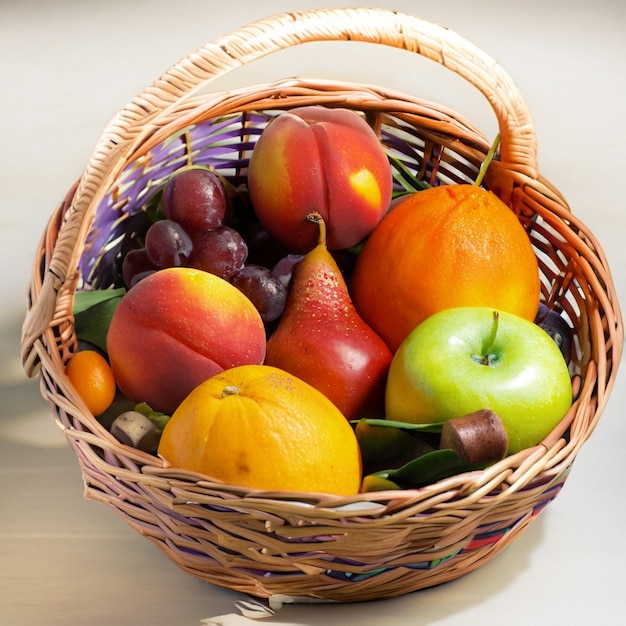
{"x": 517, "y": 470}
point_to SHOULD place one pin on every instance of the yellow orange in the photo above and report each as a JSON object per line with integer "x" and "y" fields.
{"x": 448, "y": 246}
{"x": 258, "y": 426}
{"x": 91, "y": 376}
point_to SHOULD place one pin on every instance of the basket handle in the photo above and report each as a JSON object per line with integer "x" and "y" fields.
{"x": 249, "y": 43}
{"x": 518, "y": 149}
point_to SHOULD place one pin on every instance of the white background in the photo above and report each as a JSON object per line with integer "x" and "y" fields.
{"x": 66, "y": 67}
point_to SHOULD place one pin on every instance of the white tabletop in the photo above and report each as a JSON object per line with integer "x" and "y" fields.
{"x": 66, "y": 67}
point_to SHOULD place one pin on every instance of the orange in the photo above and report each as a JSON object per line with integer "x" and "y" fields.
{"x": 258, "y": 426}
{"x": 444, "y": 247}
{"x": 92, "y": 377}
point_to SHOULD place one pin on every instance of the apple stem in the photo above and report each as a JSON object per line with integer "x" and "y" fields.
{"x": 315, "y": 217}
{"x": 486, "y": 357}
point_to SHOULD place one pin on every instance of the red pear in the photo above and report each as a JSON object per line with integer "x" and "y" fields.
{"x": 322, "y": 339}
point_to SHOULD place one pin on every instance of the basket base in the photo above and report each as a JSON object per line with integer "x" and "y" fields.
{"x": 345, "y": 587}
{"x": 264, "y": 547}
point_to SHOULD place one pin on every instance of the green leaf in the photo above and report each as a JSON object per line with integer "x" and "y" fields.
{"x": 152, "y": 206}
{"x": 384, "y": 448}
{"x": 435, "y": 427}
{"x": 86, "y": 299}
{"x": 373, "y": 482}
{"x": 409, "y": 182}
{"x": 92, "y": 314}
{"x": 427, "y": 469}
{"x": 156, "y": 417}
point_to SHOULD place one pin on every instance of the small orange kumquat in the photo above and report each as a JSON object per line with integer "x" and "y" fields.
{"x": 92, "y": 377}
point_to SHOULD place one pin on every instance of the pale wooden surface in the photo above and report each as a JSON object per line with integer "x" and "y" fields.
{"x": 67, "y": 67}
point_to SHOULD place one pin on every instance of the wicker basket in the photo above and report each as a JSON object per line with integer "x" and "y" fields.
{"x": 371, "y": 545}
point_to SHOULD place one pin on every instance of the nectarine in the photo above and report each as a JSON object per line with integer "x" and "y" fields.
{"x": 176, "y": 328}
{"x": 317, "y": 159}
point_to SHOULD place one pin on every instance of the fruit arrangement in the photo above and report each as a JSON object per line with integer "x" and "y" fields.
{"x": 332, "y": 255}
{"x": 318, "y": 329}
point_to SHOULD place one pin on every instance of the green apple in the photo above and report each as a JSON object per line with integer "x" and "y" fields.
{"x": 461, "y": 360}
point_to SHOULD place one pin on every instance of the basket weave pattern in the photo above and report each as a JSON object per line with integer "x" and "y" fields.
{"x": 371, "y": 545}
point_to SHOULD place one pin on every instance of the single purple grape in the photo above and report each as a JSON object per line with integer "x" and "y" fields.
{"x": 167, "y": 244}
{"x": 136, "y": 263}
{"x": 557, "y": 327}
{"x": 283, "y": 270}
{"x": 140, "y": 276}
{"x": 221, "y": 251}
{"x": 195, "y": 198}
{"x": 263, "y": 289}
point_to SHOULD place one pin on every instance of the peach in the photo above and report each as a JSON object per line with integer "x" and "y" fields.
{"x": 319, "y": 159}
{"x": 176, "y": 328}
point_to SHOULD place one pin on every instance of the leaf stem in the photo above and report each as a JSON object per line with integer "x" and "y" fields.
{"x": 409, "y": 182}
{"x": 485, "y": 164}
{"x": 434, "y": 427}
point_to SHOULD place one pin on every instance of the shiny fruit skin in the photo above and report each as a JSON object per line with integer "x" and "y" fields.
{"x": 257, "y": 426}
{"x": 448, "y": 246}
{"x": 195, "y": 198}
{"x": 462, "y": 360}
{"x": 264, "y": 290}
{"x": 321, "y": 338}
{"x": 136, "y": 265}
{"x": 91, "y": 376}
{"x": 221, "y": 251}
{"x": 328, "y": 160}
{"x": 167, "y": 244}
{"x": 176, "y": 328}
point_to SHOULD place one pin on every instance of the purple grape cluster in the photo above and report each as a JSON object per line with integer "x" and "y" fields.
{"x": 195, "y": 232}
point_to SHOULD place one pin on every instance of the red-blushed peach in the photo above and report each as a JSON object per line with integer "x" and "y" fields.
{"x": 319, "y": 159}
{"x": 176, "y": 328}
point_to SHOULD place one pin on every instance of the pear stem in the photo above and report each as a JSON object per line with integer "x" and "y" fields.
{"x": 315, "y": 217}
